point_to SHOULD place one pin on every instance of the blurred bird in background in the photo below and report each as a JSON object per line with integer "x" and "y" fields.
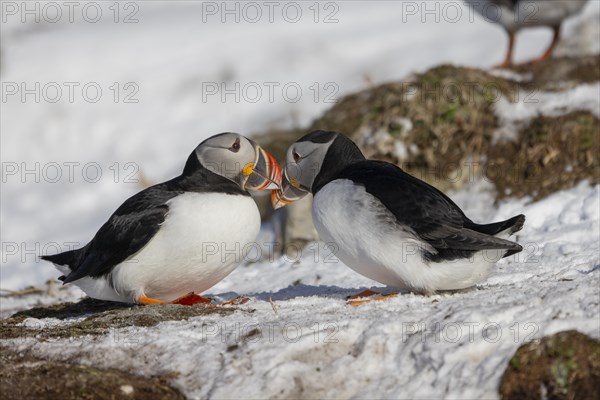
{"x": 516, "y": 14}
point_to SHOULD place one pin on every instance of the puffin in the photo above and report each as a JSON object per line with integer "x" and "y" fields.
{"x": 388, "y": 225}
{"x": 516, "y": 14}
{"x": 176, "y": 239}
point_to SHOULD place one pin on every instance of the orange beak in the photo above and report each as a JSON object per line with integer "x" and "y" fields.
{"x": 288, "y": 193}
{"x": 265, "y": 173}
{"x": 277, "y": 199}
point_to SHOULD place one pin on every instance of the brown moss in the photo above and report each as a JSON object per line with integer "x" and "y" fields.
{"x": 553, "y": 153}
{"x": 561, "y": 73}
{"x": 27, "y": 377}
{"x": 561, "y": 366}
{"x": 101, "y": 317}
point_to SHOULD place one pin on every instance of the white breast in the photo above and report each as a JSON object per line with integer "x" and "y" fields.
{"x": 369, "y": 241}
{"x": 202, "y": 240}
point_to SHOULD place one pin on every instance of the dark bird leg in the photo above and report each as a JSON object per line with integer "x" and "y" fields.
{"x": 548, "y": 53}
{"x": 509, "y": 53}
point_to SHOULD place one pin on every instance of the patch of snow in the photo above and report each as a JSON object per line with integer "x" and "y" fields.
{"x": 127, "y": 390}
{"x": 532, "y": 103}
{"x": 9, "y": 304}
{"x": 400, "y": 150}
{"x": 317, "y": 346}
{"x": 579, "y": 36}
{"x": 38, "y": 324}
{"x": 511, "y": 75}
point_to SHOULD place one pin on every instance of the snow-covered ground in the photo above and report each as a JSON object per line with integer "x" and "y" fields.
{"x": 309, "y": 343}
{"x": 66, "y": 165}
{"x": 451, "y": 345}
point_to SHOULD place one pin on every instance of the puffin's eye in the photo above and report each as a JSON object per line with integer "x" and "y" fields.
{"x": 296, "y": 156}
{"x": 236, "y": 146}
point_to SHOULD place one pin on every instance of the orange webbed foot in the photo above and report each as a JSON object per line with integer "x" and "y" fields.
{"x": 368, "y": 296}
{"x": 538, "y": 60}
{"x": 187, "y": 300}
{"x": 190, "y": 299}
{"x": 148, "y": 300}
{"x": 236, "y": 302}
{"x": 364, "y": 293}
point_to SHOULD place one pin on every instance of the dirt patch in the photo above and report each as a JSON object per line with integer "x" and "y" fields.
{"x": 27, "y": 377}
{"x": 553, "y": 153}
{"x": 562, "y": 366}
{"x": 99, "y": 318}
{"x": 561, "y": 73}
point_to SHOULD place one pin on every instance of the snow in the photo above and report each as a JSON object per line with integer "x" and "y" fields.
{"x": 309, "y": 343}
{"x": 534, "y": 103}
{"x": 531, "y": 103}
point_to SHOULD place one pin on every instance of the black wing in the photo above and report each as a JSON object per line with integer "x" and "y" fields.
{"x": 432, "y": 216}
{"x": 137, "y": 220}
{"x": 126, "y": 232}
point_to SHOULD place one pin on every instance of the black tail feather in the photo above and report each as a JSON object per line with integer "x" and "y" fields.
{"x": 69, "y": 258}
{"x": 511, "y": 252}
{"x": 515, "y": 224}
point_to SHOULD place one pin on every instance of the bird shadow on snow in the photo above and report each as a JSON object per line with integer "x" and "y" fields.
{"x": 65, "y": 311}
{"x": 594, "y": 269}
{"x": 301, "y": 290}
{"x": 88, "y": 307}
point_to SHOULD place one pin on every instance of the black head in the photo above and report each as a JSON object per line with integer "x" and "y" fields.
{"x": 313, "y": 161}
{"x": 237, "y": 159}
